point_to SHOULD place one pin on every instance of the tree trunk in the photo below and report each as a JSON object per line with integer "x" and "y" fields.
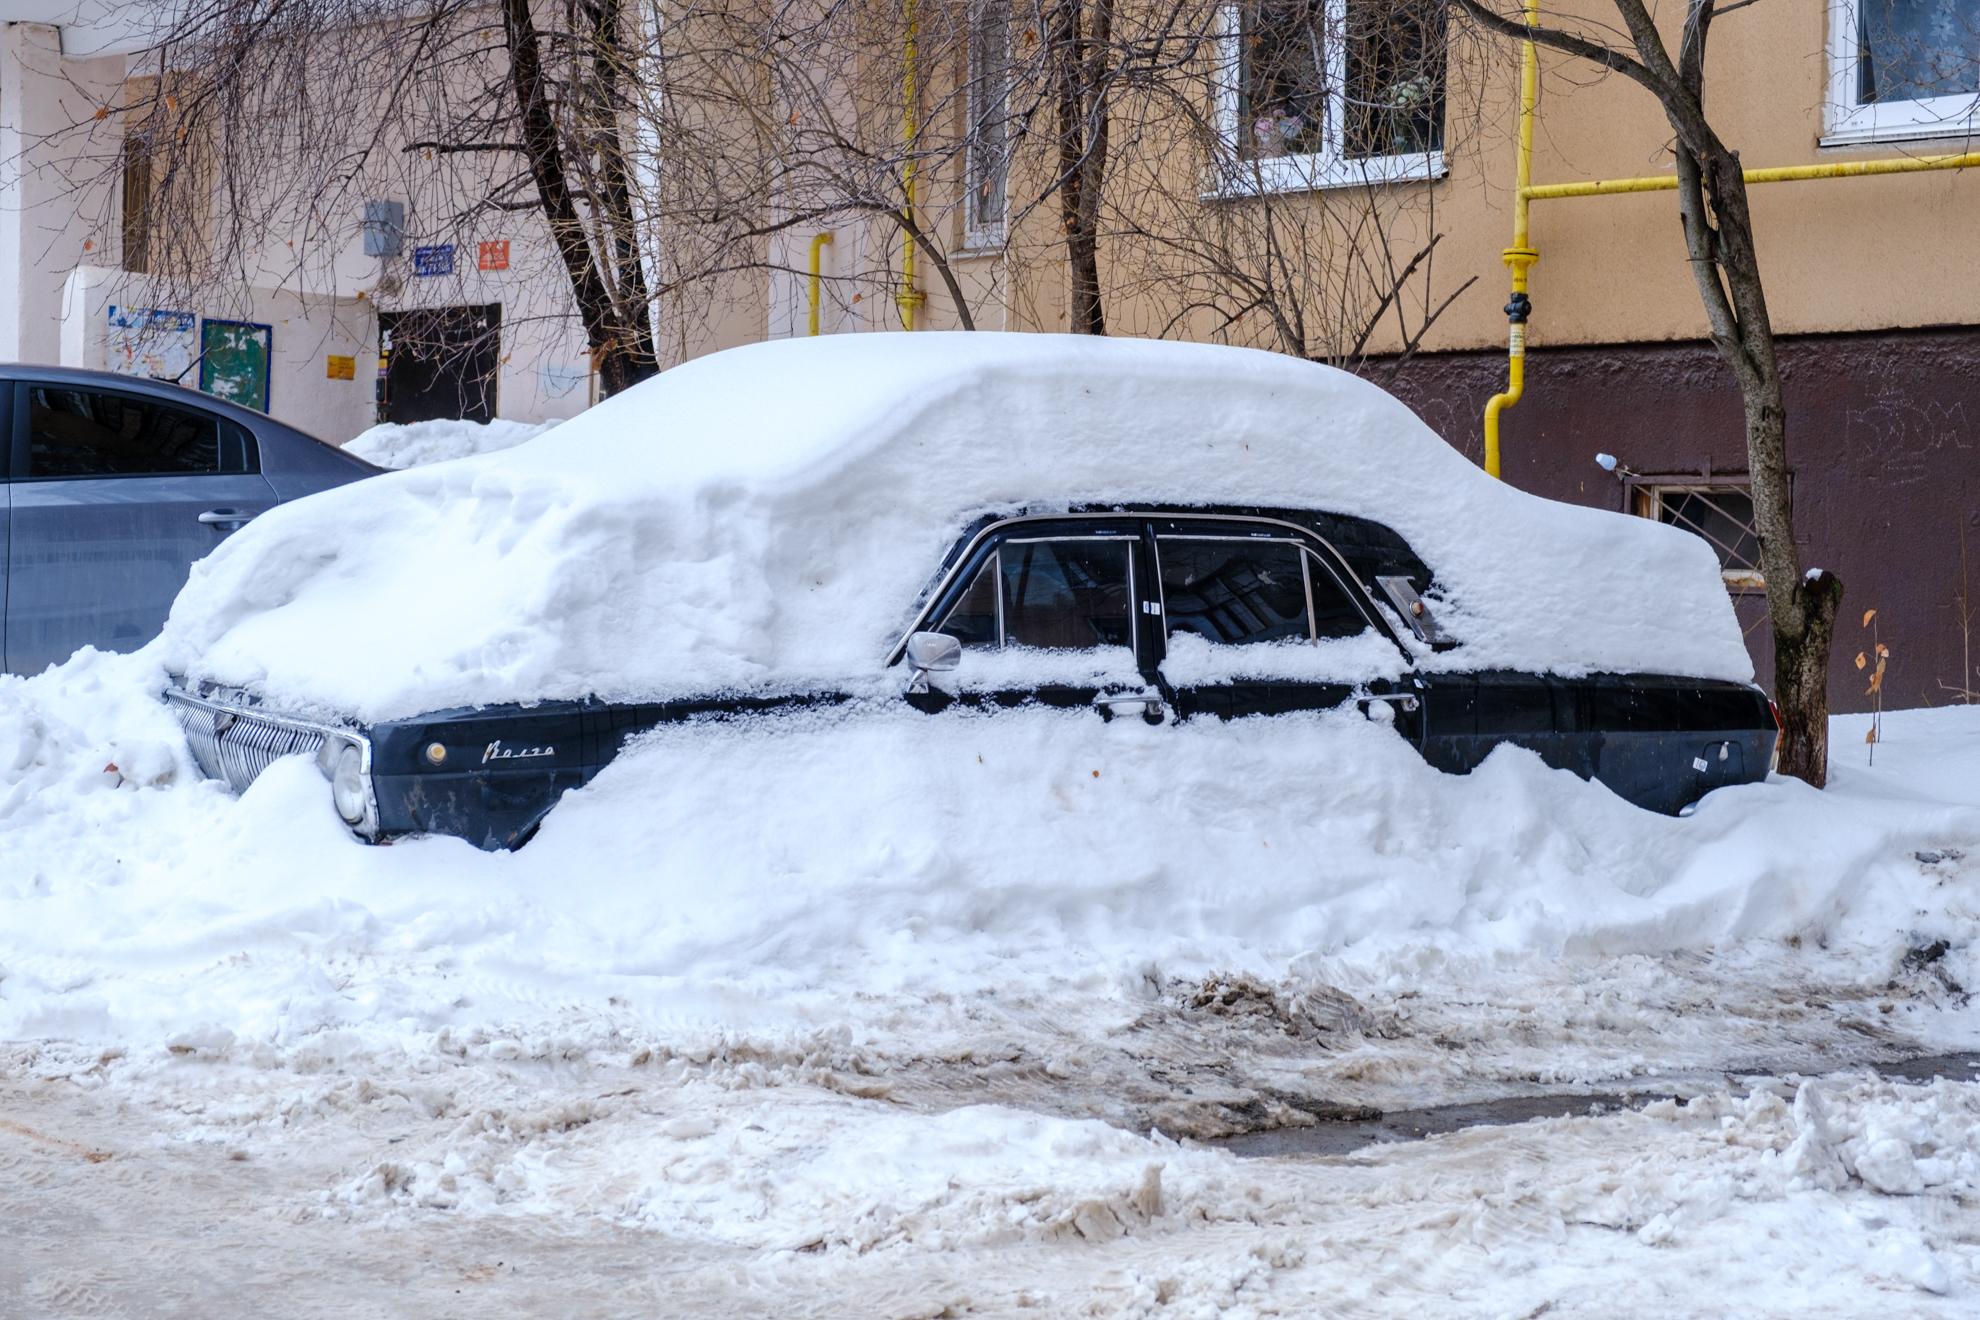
{"x": 1082, "y": 114}
{"x": 631, "y": 358}
{"x": 619, "y": 353}
{"x": 1801, "y": 677}
{"x": 1718, "y": 238}
{"x": 1718, "y": 226}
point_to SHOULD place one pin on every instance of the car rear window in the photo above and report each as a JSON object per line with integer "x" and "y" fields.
{"x": 81, "y": 432}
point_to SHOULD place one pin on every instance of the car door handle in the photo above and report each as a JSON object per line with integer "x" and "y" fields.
{"x": 226, "y": 517}
{"x": 1149, "y": 703}
{"x": 1405, "y": 700}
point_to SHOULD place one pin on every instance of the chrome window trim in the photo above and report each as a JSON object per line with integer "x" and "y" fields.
{"x": 1339, "y": 565}
{"x": 1307, "y": 562}
{"x": 996, "y": 565}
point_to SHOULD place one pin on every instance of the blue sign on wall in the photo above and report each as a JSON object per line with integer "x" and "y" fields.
{"x": 437, "y": 260}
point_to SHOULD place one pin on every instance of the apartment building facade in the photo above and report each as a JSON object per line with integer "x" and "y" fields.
{"x": 1369, "y": 144}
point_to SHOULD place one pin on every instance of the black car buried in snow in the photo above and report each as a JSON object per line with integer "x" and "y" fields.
{"x": 1164, "y": 592}
{"x": 1126, "y": 577}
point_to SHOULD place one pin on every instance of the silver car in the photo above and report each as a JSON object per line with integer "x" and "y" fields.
{"x": 113, "y": 485}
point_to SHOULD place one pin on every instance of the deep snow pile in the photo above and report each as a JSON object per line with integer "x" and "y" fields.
{"x": 792, "y": 996}
{"x": 822, "y": 870}
{"x": 391, "y": 445}
{"x": 767, "y": 517}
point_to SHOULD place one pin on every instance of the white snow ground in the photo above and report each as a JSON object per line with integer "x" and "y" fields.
{"x": 913, "y": 1016}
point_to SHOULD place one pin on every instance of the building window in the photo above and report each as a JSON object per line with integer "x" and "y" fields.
{"x": 988, "y": 144}
{"x": 138, "y": 199}
{"x": 1328, "y": 93}
{"x": 1720, "y": 514}
{"x": 1903, "y": 69}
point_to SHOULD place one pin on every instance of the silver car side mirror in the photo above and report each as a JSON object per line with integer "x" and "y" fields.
{"x": 930, "y": 653}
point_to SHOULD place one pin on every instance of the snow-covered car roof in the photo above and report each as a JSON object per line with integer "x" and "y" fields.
{"x": 767, "y": 518}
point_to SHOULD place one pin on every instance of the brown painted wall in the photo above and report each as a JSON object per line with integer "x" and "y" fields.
{"x": 1884, "y": 436}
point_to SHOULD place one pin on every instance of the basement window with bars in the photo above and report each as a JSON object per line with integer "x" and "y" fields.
{"x": 1719, "y": 513}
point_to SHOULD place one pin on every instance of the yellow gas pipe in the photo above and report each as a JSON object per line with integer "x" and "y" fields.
{"x": 1520, "y": 257}
{"x": 1777, "y": 174}
{"x": 818, "y": 242}
{"x": 909, "y": 298}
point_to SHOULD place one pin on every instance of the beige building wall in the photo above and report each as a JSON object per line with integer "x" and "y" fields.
{"x": 1838, "y": 255}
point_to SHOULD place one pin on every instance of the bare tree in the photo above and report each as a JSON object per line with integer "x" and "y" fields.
{"x": 769, "y": 124}
{"x": 1725, "y": 264}
{"x": 267, "y": 124}
{"x": 1079, "y": 46}
{"x": 678, "y": 157}
{"x": 1244, "y": 215}
{"x": 571, "y": 134}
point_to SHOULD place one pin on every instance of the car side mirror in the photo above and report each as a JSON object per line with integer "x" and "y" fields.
{"x": 930, "y": 653}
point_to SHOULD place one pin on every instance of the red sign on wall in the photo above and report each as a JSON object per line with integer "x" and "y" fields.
{"x": 495, "y": 254}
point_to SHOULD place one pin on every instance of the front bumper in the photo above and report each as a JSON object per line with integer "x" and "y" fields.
{"x": 486, "y": 774}
{"x": 234, "y": 741}
{"x": 491, "y": 797}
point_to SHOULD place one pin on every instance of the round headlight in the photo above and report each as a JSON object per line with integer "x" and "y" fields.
{"x": 347, "y": 786}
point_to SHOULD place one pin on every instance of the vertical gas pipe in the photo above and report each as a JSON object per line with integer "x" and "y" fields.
{"x": 908, "y": 299}
{"x": 1520, "y": 256}
{"x": 818, "y": 243}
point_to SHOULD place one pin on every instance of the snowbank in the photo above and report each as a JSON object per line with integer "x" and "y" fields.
{"x": 781, "y": 1000}
{"x": 394, "y": 446}
{"x": 768, "y": 516}
{"x": 831, "y": 866}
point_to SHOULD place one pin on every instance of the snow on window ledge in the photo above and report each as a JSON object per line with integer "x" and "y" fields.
{"x": 1316, "y": 173}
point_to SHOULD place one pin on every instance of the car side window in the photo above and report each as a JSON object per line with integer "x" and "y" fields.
{"x": 79, "y": 432}
{"x": 1070, "y": 593}
{"x": 1239, "y": 590}
{"x": 1230, "y": 590}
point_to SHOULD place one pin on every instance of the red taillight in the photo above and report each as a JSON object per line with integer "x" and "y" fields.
{"x": 1775, "y": 711}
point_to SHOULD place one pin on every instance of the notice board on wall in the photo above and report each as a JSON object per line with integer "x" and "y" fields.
{"x": 150, "y": 341}
{"x": 234, "y": 359}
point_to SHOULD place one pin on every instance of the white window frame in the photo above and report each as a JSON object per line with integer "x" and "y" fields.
{"x": 979, "y": 235}
{"x": 1847, "y": 123}
{"x": 1238, "y": 175}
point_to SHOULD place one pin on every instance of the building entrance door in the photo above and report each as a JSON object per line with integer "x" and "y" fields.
{"x": 439, "y": 363}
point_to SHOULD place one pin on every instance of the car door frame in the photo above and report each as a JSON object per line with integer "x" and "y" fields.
{"x": 7, "y": 469}
{"x": 1271, "y": 696}
{"x": 955, "y": 580}
{"x": 15, "y": 386}
{"x": 1151, "y": 618}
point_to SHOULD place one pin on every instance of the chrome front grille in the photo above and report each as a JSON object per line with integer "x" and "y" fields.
{"x": 236, "y": 745}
